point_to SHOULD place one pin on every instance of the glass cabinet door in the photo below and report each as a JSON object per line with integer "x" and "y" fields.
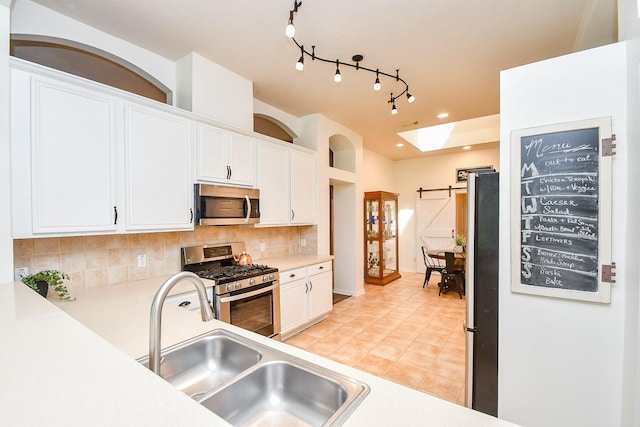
{"x": 381, "y": 237}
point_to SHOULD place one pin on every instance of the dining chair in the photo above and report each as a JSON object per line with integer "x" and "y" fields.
{"x": 431, "y": 265}
{"x": 451, "y": 272}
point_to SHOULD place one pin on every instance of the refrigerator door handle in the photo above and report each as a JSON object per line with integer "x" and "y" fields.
{"x": 464, "y": 327}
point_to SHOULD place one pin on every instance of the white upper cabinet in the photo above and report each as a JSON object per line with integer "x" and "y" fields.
{"x": 287, "y": 183}
{"x": 88, "y": 160}
{"x": 303, "y": 188}
{"x": 158, "y": 182}
{"x": 273, "y": 181}
{"x": 73, "y": 158}
{"x": 225, "y": 157}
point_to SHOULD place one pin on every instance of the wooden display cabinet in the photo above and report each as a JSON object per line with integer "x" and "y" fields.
{"x": 381, "y": 237}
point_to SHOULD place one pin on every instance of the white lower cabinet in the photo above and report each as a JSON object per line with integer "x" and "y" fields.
{"x": 306, "y": 297}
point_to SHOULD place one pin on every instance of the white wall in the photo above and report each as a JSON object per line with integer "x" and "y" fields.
{"x": 6, "y": 243}
{"x": 437, "y": 171}
{"x": 212, "y": 91}
{"x": 31, "y": 18}
{"x": 561, "y": 361}
{"x": 316, "y": 131}
{"x": 377, "y": 172}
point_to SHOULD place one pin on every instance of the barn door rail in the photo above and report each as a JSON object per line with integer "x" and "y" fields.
{"x": 420, "y": 190}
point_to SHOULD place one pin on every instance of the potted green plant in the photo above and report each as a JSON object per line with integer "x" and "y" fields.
{"x": 42, "y": 280}
{"x": 459, "y": 241}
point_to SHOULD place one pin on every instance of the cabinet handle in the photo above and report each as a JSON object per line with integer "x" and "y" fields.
{"x": 293, "y": 214}
{"x": 184, "y": 303}
{"x": 228, "y": 172}
{"x": 306, "y": 288}
{"x": 310, "y": 285}
{"x": 191, "y": 211}
{"x": 115, "y": 216}
{"x": 292, "y": 275}
{"x": 321, "y": 267}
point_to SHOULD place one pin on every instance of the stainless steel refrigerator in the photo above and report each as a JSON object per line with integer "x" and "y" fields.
{"x": 481, "y": 281}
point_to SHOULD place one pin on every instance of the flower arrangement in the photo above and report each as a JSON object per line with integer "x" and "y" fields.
{"x": 459, "y": 240}
{"x": 53, "y": 278}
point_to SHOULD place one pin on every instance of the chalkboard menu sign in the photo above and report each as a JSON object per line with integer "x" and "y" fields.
{"x": 559, "y": 209}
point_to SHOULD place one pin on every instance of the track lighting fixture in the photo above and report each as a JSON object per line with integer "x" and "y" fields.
{"x": 337, "y": 77}
{"x": 290, "y": 31}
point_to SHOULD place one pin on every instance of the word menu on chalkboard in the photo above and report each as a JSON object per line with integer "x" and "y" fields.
{"x": 560, "y": 227}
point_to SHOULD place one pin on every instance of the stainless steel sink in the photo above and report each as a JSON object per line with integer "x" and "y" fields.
{"x": 280, "y": 393}
{"x": 249, "y": 384}
{"x": 199, "y": 365}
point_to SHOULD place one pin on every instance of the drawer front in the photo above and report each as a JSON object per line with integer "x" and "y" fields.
{"x": 323, "y": 267}
{"x": 292, "y": 275}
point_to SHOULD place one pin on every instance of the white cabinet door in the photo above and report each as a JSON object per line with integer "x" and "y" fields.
{"x": 303, "y": 188}
{"x": 293, "y": 305}
{"x": 225, "y": 157}
{"x": 159, "y": 190}
{"x": 212, "y": 154}
{"x": 320, "y": 294}
{"x": 73, "y": 157}
{"x": 273, "y": 182}
{"x": 241, "y": 159}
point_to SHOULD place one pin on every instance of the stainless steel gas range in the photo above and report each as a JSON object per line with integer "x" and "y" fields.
{"x": 247, "y": 296}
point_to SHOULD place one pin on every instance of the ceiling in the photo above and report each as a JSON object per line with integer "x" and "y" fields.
{"x": 450, "y": 52}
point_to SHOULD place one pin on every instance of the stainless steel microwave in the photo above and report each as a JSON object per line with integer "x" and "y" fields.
{"x": 220, "y": 205}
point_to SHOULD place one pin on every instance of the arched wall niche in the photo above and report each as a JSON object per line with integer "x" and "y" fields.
{"x": 342, "y": 153}
{"x": 267, "y": 125}
{"x": 88, "y": 62}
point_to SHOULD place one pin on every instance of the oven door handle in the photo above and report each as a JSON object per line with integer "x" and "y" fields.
{"x": 249, "y": 294}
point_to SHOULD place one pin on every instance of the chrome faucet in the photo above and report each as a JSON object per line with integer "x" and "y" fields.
{"x": 156, "y": 313}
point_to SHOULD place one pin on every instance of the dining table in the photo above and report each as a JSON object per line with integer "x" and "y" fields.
{"x": 439, "y": 254}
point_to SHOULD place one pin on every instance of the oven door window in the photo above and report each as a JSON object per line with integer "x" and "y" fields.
{"x": 254, "y": 313}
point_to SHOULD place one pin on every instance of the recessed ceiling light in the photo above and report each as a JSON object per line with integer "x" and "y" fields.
{"x": 399, "y": 144}
{"x": 466, "y": 147}
{"x": 443, "y": 115}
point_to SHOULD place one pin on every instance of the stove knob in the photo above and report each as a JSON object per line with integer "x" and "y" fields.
{"x": 229, "y": 286}
{"x": 265, "y": 278}
{"x": 252, "y": 281}
{"x": 238, "y": 285}
{"x": 272, "y": 277}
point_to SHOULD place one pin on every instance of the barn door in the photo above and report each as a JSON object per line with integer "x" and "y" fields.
{"x": 435, "y": 223}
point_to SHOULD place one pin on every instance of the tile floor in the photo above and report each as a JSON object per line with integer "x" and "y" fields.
{"x": 400, "y": 332}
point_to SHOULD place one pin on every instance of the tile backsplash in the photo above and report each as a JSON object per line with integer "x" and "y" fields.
{"x": 103, "y": 260}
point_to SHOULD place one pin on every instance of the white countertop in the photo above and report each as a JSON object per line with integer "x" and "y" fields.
{"x": 290, "y": 262}
{"x": 55, "y": 371}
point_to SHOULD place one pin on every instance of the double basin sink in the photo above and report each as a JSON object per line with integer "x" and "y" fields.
{"x": 249, "y": 384}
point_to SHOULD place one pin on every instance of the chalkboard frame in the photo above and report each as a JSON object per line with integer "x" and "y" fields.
{"x": 603, "y": 229}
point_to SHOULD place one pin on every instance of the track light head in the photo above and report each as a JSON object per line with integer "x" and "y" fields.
{"x": 392, "y": 101}
{"x": 377, "y": 85}
{"x": 300, "y": 63}
{"x": 410, "y": 98}
{"x": 290, "y": 31}
{"x": 337, "y": 77}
